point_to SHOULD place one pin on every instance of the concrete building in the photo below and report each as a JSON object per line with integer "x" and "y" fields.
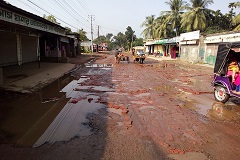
{"x": 211, "y": 45}
{"x": 189, "y": 46}
{"x": 26, "y": 38}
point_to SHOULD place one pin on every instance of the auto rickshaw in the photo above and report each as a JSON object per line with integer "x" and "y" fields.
{"x": 224, "y": 88}
{"x": 138, "y": 53}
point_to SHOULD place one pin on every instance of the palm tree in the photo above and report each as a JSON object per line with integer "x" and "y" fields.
{"x": 149, "y": 24}
{"x": 236, "y": 19}
{"x": 162, "y": 28}
{"x": 196, "y": 16}
{"x": 173, "y": 17}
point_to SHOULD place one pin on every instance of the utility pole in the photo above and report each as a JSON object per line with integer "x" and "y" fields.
{"x": 98, "y": 40}
{"x": 132, "y": 39}
{"x": 91, "y": 19}
{"x": 98, "y": 31}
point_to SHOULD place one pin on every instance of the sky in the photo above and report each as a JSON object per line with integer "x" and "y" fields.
{"x": 106, "y": 16}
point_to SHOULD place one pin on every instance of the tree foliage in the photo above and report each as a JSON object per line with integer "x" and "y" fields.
{"x": 190, "y": 16}
{"x": 149, "y": 24}
{"x": 130, "y": 37}
{"x": 82, "y": 35}
{"x": 195, "y": 18}
{"x": 51, "y": 18}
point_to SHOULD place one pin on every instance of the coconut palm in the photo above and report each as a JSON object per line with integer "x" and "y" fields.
{"x": 149, "y": 24}
{"x": 236, "y": 19}
{"x": 196, "y": 16}
{"x": 173, "y": 17}
{"x": 161, "y": 27}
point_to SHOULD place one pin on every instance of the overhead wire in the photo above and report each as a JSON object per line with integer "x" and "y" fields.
{"x": 87, "y": 9}
{"x": 30, "y": 7}
{"x": 75, "y": 12}
{"x": 53, "y": 9}
{"x": 77, "y": 5}
{"x": 50, "y": 13}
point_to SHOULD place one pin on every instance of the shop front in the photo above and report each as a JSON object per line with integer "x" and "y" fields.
{"x": 26, "y": 37}
{"x": 189, "y": 46}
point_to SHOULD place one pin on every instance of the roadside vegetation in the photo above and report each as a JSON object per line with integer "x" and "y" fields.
{"x": 190, "y": 16}
{"x": 182, "y": 16}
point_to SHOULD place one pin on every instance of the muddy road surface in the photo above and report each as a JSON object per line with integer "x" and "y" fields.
{"x": 156, "y": 110}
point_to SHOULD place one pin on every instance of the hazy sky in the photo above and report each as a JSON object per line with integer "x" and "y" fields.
{"x": 112, "y": 16}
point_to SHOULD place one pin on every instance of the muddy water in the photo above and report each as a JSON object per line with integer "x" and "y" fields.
{"x": 30, "y": 116}
{"x": 205, "y": 104}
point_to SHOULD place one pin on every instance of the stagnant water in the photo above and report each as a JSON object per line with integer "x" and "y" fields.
{"x": 27, "y": 118}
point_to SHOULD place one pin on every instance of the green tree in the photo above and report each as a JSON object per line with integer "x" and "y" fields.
{"x": 162, "y": 28}
{"x": 172, "y": 18}
{"x": 138, "y": 42}
{"x": 109, "y": 36}
{"x": 120, "y": 40}
{"x": 130, "y": 37}
{"x": 236, "y": 19}
{"x": 82, "y": 35}
{"x": 51, "y": 18}
{"x": 217, "y": 22}
{"x": 195, "y": 16}
{"x": 231, "y": 14}
{"x": 149, "y": 24}
{"x": 68, "y": 30}
{"x": 100, "y": 39}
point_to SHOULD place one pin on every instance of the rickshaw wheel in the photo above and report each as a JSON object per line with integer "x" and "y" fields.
{"x": 220, "y": 94}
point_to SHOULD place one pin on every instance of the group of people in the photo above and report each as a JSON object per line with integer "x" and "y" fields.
{"x": 234, "y": 72}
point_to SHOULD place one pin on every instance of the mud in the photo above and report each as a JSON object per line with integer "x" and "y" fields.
{"x": 156, "y": 110}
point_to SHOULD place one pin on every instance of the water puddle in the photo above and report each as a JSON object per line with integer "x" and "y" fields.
{"x": 56, "y": 113}
{"x": 224, "y": 112}
{"x": 207, "y": 106}
{"x": 28, "y": 116}
{"x": 95, "y": 88}
{"x": 70, "y": 121}
{"x": 108, "y": 65}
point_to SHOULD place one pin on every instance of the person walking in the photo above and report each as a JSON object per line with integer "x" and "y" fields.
{"x": 116, "y": 56}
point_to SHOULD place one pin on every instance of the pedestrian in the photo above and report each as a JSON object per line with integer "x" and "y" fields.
{"x": 116, "y": 56}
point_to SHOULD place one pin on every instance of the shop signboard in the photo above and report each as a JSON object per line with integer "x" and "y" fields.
{"x": 19, "y": 19}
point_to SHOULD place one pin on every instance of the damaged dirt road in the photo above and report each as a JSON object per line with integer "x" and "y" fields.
{"x": 156, "y": 110}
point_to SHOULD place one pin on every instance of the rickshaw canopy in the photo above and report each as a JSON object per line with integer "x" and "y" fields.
{"x": 224, "y": 50}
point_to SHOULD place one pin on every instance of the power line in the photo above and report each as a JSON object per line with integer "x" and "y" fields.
{"x": 72, "y": 14}
{"x": 30, "y": 7}
{"x": 73, "y": 2}
{"x": 89, "y": 11}
{"x": 73, "y": 10}
{"x": 50, "y": 13}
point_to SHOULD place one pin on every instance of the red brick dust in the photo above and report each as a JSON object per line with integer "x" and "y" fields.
{"x": 161, "y": 117}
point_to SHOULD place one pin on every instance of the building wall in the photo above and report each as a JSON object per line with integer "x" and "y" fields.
{"x": 189, "y": 53}
{"x": 211, "y": 53}
{"x": 8, "y": 49}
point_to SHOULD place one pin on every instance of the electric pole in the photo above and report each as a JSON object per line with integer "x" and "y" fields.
{"x": 91, "y": 19}
{"x": 98, "y": 31}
